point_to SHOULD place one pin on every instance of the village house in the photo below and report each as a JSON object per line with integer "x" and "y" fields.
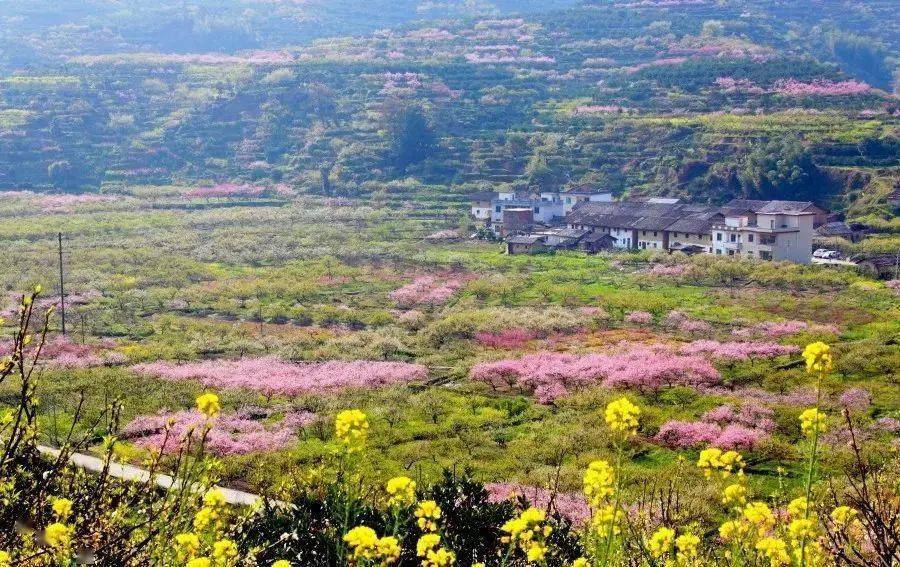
{"x": 507, "y": 212}
{"x": 481, "y": 204}
{"x": 653, "y": 226}
{"x": 574, "y": 197}
{"x": 769, "y": 230}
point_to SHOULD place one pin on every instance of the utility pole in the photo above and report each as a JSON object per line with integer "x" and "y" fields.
{"x": 62, "y": 290}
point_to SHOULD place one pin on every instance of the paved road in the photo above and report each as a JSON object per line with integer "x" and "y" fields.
{"x": 135, "y": 474}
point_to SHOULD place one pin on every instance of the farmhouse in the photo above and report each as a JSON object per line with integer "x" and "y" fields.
{"x": 575, "y": 197}
{"x": 770, "y": 230}
{"x": 508, "y": 212}
{"x": 654, "y": 226}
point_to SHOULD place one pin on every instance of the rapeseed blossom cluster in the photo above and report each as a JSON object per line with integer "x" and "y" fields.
{"x": 687, "y": 550}
{"x": 62, "y": 508}
{"x": 365, "y": 545}
{"x": 622, "y": 415}
{"x": 432, "y": 554}
{"x": 209, "y": 405}
{"x": 661, "y": 542}
{"x": 812, "y": 422}
{"x": 843, "y": 515}
{"x": 775, "y": 550}
{"x": 599, "y": 481}
{"x": 734, "y": 494}
{"x": 211, "y": 514}
{"x": 402, "y": 491}
{"x": 351, "y": 427}
{"x": 428, "y": 513}
{"x": 726, "y": 463}
{"x": 818, "y": 358}
{"x": 58, "y": 536}
{"x": 528, "y": 533}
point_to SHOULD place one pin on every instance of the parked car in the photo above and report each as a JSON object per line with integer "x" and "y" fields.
{"x": 820, "y": 253}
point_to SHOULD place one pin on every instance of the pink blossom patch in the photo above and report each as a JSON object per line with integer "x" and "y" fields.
{"x": 229, "y": 434}
{"x": 274, "y": 376}
{"x": 570, "y": 505}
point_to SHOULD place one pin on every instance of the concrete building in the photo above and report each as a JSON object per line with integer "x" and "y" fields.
{"x": 481, "y": 204}
{"x": 769, "y": 230}
{"x": 653, "y": 226}
{"x": 546, "y": 209}
{"x": 575, "y": 197}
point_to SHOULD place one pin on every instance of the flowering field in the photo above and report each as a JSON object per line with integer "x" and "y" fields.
{"x": 461, "y": 356}
{"x": 272, "y": 284}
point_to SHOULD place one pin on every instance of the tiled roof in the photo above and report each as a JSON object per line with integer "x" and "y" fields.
{"x": 773, "y": 207}
{"x": 834, "y": 229}
{"x": 527, "y": 239}
{"x": 646, "y": 216}
{"x": 483, "y": 196}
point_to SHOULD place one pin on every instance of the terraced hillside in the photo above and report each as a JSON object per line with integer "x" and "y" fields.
{"x": 675, "y": 98}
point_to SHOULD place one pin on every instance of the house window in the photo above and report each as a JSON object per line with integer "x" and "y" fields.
{"x": 749, "y": 238}
{"x": 654, "y": 233}
{"x": 719, "y": 252}
{"x": 719, "y": 236}
{"x": 497, "y": 208}
{"x": 734, "y": 238}
{"x": 568, "y": 200}
{"x": 537, "y": 210}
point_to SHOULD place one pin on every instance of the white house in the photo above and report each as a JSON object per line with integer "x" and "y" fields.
{"x": 770, "y": 230}
{"x": 481, "y": 204}
{"x": 575, "y": 197}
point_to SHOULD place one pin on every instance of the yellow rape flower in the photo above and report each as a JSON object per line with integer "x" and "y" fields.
{"x": 208, "y": 404}
{"x": 797, "y": 507}
{"x": 687, "y": 546}
{"x": 733, "y": 530}
{"x": 714, "y": 459}
{"x": 661, "y": 541}
{"x": 351, "y": 428}
{"x": 402, "y": 491}
{"x": 734, "y": 494}
{"x": 599, "y": 479}
{"x": 62, "y": 507}
{"x": 622, "y": 415}
{"x": 426, "y": 543}
{"x": 58, "y": 535}
{"x": 428, "y": 513}
{"x": 439, "y": 558}
{"x": 5, "y": 559}
{"x": 607, "y": 517}
{"x": 282, "y": 563}
{"x": 187, "y": 544}
{"x": 760, "y": 516}
{"x": 843, "y": 515}
{"x": 199, "y": 562}
{"x": 580, "y": 562}
{"x": 204, "y": 517}
{"x": 812, "y": 421}
{"x": 802, "y": 529}
{"x": 225, "y": 552}
{"x": 818, "y": 357}
{"x": 387, "y": 549}
{"x": 214, "y": 498}
{"x": 775, "y": 550}
{"x": 536, "y": 551}
{"x": 362, "y": 541}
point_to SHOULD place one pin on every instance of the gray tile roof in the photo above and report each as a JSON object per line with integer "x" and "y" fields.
{"x": 774, "y": 207}
{"x": 527, "y": 239}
